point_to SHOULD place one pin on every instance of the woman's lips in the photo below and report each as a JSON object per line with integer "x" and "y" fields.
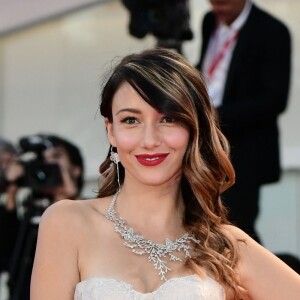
{"x": 151, "y": 160}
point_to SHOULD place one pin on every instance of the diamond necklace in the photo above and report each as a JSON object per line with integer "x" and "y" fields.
{"x": 156, "y": 252}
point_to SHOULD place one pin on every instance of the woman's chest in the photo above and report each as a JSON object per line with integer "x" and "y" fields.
{"x": 107, "y": 256}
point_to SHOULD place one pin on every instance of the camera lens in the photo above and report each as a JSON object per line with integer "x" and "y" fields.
{"x": 40, "y": 175}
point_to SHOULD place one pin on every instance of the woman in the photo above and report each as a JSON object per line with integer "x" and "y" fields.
{"x": 159, "y": 229}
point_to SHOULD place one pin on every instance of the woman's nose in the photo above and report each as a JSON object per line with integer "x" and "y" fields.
{"x": 151, "y": 136}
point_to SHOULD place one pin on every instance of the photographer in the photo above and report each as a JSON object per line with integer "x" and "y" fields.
{"x": 52, "y": 169}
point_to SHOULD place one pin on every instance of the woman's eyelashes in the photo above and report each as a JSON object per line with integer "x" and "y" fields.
{"x": 167, "y": 119}
{"x": 130, "y": 120}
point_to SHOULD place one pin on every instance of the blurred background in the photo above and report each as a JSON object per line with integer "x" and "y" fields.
{"x": 54, "y": 56}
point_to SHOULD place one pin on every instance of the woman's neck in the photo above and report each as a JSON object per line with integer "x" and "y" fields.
{"x": 151, "y": 209}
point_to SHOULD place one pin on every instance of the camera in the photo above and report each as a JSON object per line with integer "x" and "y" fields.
{"x": 164, "y": 19}
{"x": 41, "y": 176}
{"x": 38, "y": 175}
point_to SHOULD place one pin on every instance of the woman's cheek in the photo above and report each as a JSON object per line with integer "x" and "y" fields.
{"x": 126, "y": 140}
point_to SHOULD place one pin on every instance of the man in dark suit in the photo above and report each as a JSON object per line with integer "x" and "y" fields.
{"x": 246, "y": 57}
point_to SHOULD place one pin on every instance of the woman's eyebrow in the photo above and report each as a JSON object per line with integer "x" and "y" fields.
{"x": 132, "y": 110}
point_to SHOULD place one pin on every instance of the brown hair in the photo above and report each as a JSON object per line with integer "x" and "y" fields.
{"x": 167, "y": 82}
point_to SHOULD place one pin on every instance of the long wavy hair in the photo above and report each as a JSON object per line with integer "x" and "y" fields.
{"x": 167, "y": 82}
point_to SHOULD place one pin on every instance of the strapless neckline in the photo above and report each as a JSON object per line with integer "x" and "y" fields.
{"x": 128, "y": 285}
{"x": 184, "y": 287}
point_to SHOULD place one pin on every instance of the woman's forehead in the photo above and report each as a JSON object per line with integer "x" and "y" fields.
{"x": 127, "y": 96}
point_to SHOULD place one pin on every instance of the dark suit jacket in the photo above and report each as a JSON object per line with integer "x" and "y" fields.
{"x": 256, "y": 92}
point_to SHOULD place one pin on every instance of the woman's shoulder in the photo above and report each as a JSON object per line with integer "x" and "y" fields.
{"x": 237, "y": 236}
{"x": 234, "y": 232}
{"x": 72, "y": 214}
{"x": 247, "y": 248}
{"x": 258, "y": 269}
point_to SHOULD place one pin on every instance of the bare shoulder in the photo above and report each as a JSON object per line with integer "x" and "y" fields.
{"x": 72, "y": 214}
{"x": 247, "y": 247}
{"x": 65, "y": 228}
{"x": 235, "y": 232}
{"x": 259, "y": 269}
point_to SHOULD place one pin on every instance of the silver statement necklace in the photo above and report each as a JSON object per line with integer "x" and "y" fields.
{"x": 156, "y": 252}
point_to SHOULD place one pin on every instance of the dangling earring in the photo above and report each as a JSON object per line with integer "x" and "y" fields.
{"x": 114, "y": 157}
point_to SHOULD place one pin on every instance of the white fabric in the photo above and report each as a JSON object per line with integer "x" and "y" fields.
{"x": 182, "y": 288}
{"x": 216, "y": 83}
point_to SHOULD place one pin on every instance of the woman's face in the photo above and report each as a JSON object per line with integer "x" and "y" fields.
{"x": 151, "y": 145}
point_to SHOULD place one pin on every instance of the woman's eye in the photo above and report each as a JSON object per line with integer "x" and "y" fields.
{"x": 129, "y": 120}
{"x": 167, "y": 119}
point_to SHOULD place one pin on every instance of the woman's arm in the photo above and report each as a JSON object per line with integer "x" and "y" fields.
{"x": 55, "y": 271}
{"x": 263, "y": 274}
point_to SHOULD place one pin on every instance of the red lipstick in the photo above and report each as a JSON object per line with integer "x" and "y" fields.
{"x": 151, "y": 160}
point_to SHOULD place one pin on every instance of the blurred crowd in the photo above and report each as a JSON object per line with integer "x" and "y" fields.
{"x": 40, "y": 170}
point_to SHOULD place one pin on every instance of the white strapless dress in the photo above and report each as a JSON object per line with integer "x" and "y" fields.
{"x": 190, "y": 287}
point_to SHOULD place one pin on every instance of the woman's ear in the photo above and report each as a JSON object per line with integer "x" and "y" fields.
{"x": 110, "y": 135}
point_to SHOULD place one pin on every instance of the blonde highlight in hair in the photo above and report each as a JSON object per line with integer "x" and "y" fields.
{"x": 167, "y": 82}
